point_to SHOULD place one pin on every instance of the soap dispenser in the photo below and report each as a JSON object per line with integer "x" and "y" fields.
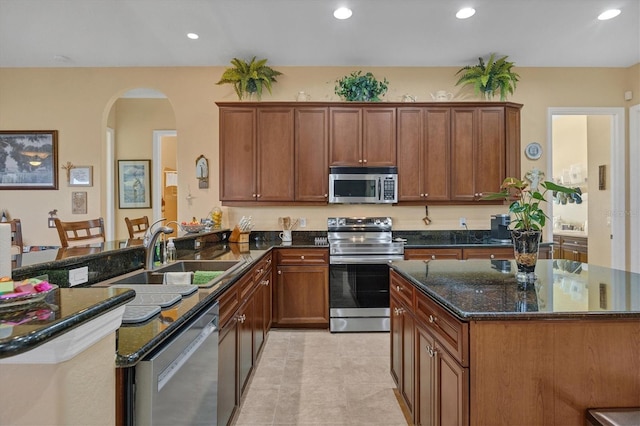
{"x": 172, "y": 254}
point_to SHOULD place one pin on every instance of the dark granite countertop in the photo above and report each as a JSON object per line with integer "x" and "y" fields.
{"x": 487, "y": 289}
{"x": 29, "y": 326}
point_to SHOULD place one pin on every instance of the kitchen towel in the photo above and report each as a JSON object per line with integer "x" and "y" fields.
{"x": 203, "y": 277}
{"x": 5, "y": 250}
{"x": 177, "y": 278}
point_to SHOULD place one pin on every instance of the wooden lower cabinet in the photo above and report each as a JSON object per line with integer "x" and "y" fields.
{"x": 227, "y": 372}
{"x": 491, "y": 252}
{"x": 402, "y": 349}
{"x": 301, "y": 291}
{"x": 245, "y": 319}
{"x": 571, "y": 248}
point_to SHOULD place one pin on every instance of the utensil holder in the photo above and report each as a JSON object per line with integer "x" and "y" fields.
{"x": 238, "y": 237}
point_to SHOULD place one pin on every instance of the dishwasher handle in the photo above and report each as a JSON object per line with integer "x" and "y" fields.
{"x": 165, "y": 375}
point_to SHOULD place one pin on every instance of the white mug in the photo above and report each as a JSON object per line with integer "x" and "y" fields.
{"x": 285, "y": 235}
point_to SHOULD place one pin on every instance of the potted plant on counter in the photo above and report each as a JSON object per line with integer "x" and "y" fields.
{"x": 248, "y": 78}
{"x": 359, "y": 87}
{"x": 490, "y": 78}
{"x": 528, "y": 217}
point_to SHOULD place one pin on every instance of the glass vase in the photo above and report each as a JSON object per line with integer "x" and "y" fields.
{"x": 525, "y": 250}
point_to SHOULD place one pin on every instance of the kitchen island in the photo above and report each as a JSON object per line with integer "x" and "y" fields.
{"x": 471, "y": 346}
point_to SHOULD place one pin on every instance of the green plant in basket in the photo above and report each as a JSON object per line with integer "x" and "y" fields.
{"x": 359, "y": 87}
{"x": 525, "y": 208}
{"x": 490, "y": 78}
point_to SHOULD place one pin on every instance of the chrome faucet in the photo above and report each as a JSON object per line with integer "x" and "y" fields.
{"x": 150, "y": 239}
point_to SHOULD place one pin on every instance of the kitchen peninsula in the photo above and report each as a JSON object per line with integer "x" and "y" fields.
{"x": 539, "y": 356}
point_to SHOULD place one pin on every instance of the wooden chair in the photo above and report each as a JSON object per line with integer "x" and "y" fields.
{"x": 81, "y": 232}
{"x": 137, "y": 227}
{"x": 16, "y": 242}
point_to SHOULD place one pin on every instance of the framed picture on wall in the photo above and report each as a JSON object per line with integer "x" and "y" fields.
{"x": 79, "y": 202}
{"x": 81, "y": 176}
{"x": 134, "y": 184}
{"x": 29, "y": 159}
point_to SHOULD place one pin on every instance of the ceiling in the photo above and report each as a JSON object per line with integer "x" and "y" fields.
{"x": 133, "y": 33}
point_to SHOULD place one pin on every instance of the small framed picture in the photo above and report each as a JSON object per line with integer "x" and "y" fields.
{"x": 81, "y": 176}
{"x": 533, "y": 151}
{"x": 79, "y": 202}
{"x": 134, "y": 184}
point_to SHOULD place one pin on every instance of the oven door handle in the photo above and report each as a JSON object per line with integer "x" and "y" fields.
{"x": 346, "y": 260}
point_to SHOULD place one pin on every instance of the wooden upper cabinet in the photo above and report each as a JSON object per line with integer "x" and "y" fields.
{"x": 362, "y": 136}
{"x": 423, "y": 154}
{"x": 275, "y": 154}
{"x": 379, "y": 137}
{"x": 311, "y": 154}
{"x": 478, "y": 151}
{"x": 237, "y": 154}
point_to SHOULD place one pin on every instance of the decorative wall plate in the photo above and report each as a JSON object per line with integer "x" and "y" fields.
{"x": 533, "y": 151}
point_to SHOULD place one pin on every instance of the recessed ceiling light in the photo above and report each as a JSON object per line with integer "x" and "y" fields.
{"x": 609, "y": 14}
{"x": 465, "y": 13}
{"x": 193, "y": 36}
{"x": 342, "y": 13}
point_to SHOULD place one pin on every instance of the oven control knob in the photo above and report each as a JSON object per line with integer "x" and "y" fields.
{"x": 331, "y": 221}
{"x": 342, "y": 221}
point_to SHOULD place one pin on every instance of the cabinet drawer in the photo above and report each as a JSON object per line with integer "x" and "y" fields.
{"x": 451, "y": 333}
{"x": 228, "y": 303}
{"x": 401, "y": 289}
{"x": 303, "y": 257}
{"x": 432, "y": 254}
{"x": 488, "y": 253}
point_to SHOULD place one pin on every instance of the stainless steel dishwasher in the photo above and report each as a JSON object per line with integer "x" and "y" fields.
{"x": 178, "y": 383}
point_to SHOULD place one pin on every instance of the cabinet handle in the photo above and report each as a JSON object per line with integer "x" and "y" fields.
{"x": 398, "y": 288}
{"x": 253, "y": 195}
{"x": 301, "y": 257}
{"x": 492, "y": 256}
{"x": 432, "y": 352}
{"x": 279, "y": 272}
{"x": 326, "y": 195}
{"x": 365, "y": 161}
{"x": 259, "y": 195}
{"x": 432, "y": 319}
{"x": 421, "y": 194}
{"x": 268, "y": 261}
{"x": 359, "y": 161}
{"x": 433, "y": 257}
{"x": 426, "y": 194}
{"x": 398, "y": 311}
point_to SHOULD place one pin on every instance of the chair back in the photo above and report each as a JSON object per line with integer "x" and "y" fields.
{"x": 80, "y": 232}
{"x": 137, "y": 227}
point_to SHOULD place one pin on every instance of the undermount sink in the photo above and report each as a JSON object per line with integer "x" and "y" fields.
{"x": 156, "y": 276}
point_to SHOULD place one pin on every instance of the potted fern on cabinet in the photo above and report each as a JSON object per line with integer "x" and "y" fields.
{"x": 490, "y": 78}
{"x": 248, "y": 78}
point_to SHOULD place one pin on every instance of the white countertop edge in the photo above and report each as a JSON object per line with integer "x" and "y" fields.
{"x": 72, "y": 343}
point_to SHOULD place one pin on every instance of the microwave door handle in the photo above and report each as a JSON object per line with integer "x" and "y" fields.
{"x": 379, "y": 189}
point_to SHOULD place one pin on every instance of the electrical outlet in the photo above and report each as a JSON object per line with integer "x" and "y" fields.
{"x": 303, "y": 222}
{"x": 78, "y": 276}
{"x": 463, "y": 222}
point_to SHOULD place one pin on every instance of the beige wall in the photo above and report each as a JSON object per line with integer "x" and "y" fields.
{"x": 77, "y": 102}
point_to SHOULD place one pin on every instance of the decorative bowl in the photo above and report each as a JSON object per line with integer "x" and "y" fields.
{"x": 192, "y": 229}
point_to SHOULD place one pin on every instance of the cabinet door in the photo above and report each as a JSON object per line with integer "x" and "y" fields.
{"x": 258, "y": 319}
{"x": 477, "y": 152}
{"x": 245, "y": 343}
{"x": 237, "y": 154}
{"x": 402, "y": 348}
{"x": 436, "y": 154}
{"x": 490, "y": 168}
{"x": 302, "y": 296}
{"x": 227, "y": 372}
{"x": 410, "y": 154}
{"x": 345, "y": 138}
{"x": 275, "y": 154}
{"x": 312, "y": 154}
{"x": 452, "y": 390}
{"x": 379, "y": 137}
{"x": 425, "y": 406}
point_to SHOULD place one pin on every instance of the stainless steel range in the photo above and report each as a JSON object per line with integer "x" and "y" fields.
{"x": 360, "y": 250}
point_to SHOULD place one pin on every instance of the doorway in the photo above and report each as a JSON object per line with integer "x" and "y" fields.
{"x": 606, "y": 227}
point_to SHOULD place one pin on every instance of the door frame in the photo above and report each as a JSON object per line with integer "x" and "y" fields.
{"x": 618, "y": 174}
{"x": 157, "y": 171}
{"x": 634, "y": 195}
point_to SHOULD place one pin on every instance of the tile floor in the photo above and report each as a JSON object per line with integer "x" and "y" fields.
{"x": 313, "y": 377}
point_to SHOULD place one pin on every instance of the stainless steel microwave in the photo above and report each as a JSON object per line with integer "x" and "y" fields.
{"x": 363, "y": 185}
